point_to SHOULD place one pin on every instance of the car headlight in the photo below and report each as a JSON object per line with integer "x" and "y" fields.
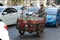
{"x": 53, "y": 18}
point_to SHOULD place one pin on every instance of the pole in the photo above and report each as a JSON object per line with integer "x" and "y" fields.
{"x": 26, "y": 3}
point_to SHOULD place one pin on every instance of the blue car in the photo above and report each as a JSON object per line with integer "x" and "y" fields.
{"x": 51, "y": 16}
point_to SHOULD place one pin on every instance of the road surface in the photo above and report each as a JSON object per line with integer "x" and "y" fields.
{"x": 49, "y": 34}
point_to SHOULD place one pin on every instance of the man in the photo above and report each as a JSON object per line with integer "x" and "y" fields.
{"x": 42, "y": 14}
{"x": 41, "y": 11}
{"x": 53, "y": 4}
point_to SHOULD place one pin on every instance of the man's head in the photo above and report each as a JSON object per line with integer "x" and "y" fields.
{"x": 53, "y": 4}
{"x": 42, "y": 5}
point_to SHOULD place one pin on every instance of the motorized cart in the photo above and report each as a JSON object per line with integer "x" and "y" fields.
{"x": 30, "y": 24}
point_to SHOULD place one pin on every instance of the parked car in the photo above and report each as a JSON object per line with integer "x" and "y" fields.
{"x": 51, "y": 16}
{"x": 8, "y": 15}
{"x": 3, "y": 31}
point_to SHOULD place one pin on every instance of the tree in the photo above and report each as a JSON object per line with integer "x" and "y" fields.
{"x": 15, "y": 2}
{"x": 58, "y": 1}
{"x": 1, "y": 4}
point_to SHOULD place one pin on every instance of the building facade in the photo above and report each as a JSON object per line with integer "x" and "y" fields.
{"x": 35, "y": 2}
{"x": 38, "y": 2}
{"x": 4, "y": 2}
{"x": 57, "y": 2}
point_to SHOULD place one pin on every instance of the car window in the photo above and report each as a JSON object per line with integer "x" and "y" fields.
{"x": 52, "y": 11}
{"x": 58, "y": 13}
{"x": 17, "y": 7}
{"x": 10, "y": 10}
{"x": 33, "y": 9}
{"x": 1, "y": 9}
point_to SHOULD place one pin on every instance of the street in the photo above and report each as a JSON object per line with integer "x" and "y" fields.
{"x": 49, "y": 34}
{"x": 30, "y": 15}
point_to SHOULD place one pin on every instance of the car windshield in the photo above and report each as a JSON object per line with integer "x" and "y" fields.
{"x": 33, "y": 9}
{"x": 51, "y": 11}
{"x": 17, "y": 7}
{"x": 1, "y": 9}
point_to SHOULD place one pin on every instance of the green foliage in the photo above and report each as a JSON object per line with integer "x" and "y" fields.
{"x": 58, "y": 1}
{"x": 13, "y": 0}
{"x": 17, "y": 0}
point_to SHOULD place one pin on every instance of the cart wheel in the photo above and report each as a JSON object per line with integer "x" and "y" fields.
{"x": 21, "y": 32}
{"x": 40, "y": 30}
{"x": 43, "y": 26}
{"x": 17, "y": 25}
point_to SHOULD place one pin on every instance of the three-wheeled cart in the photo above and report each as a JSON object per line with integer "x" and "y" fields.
{"x": 30, "y": 24}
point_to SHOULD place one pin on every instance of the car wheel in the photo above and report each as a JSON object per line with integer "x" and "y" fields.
{"x": 21, "y": 32}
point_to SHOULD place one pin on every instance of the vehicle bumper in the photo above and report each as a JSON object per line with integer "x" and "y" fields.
{"x": 51, "y": 23}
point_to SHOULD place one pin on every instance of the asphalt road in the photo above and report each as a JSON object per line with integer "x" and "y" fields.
{"x": 49, "y": 34}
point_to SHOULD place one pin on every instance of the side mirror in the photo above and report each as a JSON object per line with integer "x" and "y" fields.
{"x": 36, "y": 12}
{"x": 4, "y": 13}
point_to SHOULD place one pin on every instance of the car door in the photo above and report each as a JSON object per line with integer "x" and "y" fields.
{"x": 11, "y": 16}
{"x": 14, "y": 14}
{"x": 58, "y": 16}
{"x": 51, "y": 15}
